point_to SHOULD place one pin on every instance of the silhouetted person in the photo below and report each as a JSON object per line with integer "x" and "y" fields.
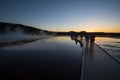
{"x": 74, "y": 37}
{"x": 92, "y": 39}
{"x": 78, "y": 41}
{"x": 87, "y": 37}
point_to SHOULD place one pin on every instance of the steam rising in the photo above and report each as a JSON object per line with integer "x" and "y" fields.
{"x": 19, "y": 34}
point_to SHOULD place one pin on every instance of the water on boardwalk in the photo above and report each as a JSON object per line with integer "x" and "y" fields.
{"x": 111, "y": 45}
{"x": 56, "y": 58}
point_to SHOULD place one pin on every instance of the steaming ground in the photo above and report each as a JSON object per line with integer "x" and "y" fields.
{"x": 20, "y": 35}
{"x": 15, "y": 37}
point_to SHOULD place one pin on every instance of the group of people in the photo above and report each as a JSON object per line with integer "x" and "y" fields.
{"x": 89, "y": 38}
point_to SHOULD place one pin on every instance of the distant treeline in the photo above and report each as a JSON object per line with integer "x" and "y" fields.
{"x": 102, "y": 34}
{"x": 108, "y": 34}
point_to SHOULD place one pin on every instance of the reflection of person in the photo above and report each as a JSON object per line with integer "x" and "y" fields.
{"x": 92, "y": 39}
{"x": 74, "y": 36}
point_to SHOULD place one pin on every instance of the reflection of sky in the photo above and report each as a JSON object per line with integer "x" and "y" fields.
{"x": 50, "y": 44}
{"x": 63, "y": 15}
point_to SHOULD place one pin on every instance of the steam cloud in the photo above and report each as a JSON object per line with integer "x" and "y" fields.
{"x": 19, "y": 34}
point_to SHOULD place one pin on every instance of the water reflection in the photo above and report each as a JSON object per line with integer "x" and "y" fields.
{"x": 89, "y": 51}
{"x": 92, "y": 49}
{"x": 50, "y": 59}
{"x": 21, "y": 42}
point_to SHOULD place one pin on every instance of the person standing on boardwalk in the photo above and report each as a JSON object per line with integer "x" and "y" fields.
{"x": 92, "y": 39}
{"x": 87, "y": 37}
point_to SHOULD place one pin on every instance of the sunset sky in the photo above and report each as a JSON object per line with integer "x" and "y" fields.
{"x": 63, "y": 15}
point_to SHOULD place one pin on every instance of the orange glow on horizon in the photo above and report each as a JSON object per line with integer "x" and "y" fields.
{"x": 114, "y": 31}
{"x": 88, "y": 28}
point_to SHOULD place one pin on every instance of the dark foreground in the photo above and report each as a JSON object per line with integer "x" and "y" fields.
{"x": 57, "y": 58}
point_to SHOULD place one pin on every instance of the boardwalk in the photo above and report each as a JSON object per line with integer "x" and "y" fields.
{"x": 99, "y": 66}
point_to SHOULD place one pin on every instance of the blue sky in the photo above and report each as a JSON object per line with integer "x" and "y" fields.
{"x": 63, "y": 15}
